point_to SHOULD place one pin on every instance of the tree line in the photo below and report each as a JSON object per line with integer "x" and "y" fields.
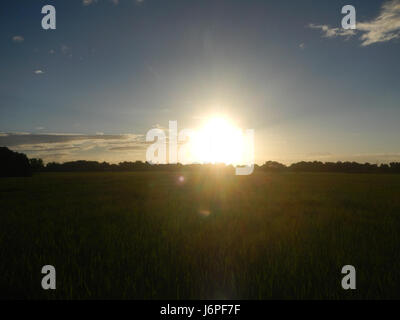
{"x": 269, "y": 166}
{"x": 18, "y": 164}
{"x": 344, "y": 167}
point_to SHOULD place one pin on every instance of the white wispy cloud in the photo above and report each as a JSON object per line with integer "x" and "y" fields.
{"x": 329, "y": 32}
{"x": 383, "y": 28}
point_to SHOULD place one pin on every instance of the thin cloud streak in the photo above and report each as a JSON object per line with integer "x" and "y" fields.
{"x": 68, "y": 147}
{"x": 329, "y": 32}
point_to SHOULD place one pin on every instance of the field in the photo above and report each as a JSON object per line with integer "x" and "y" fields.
{"x": 149, "y": 235}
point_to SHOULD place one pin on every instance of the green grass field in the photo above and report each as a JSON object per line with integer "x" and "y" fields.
{"x": 148, "y": 236}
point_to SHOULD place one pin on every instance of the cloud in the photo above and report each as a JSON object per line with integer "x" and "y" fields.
{"x": 18, "y": 39}
{"x": 68, "y": 147}
{"x": 128, "y": 148}
{"x": 383, "y": 28}
{"x": 18, "y": 139}
{"x": 329, "y": 32}
{"x": 38, "y": 72}
{"x": 302, "y": 46}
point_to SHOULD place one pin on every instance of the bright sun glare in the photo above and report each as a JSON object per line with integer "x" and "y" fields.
{"x": 218, "y": 141}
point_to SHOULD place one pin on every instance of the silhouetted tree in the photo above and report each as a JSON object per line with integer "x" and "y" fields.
{"x": 273, "y": 166}
{"x": 13, "y": 164}
{"x": 36, "y": 164}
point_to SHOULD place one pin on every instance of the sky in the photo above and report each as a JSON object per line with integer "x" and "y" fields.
{"x": 112, "y": 70}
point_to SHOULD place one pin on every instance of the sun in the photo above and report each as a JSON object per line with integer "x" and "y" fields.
{"x": 218, "y": 141}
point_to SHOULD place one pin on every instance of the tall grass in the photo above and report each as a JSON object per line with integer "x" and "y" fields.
{"x": 150, "y": 236}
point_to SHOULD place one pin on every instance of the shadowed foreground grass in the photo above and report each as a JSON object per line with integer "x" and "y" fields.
{"x": 149, "y": 236}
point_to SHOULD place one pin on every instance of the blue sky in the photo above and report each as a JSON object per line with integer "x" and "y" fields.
{"x": 112, "y": 70}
